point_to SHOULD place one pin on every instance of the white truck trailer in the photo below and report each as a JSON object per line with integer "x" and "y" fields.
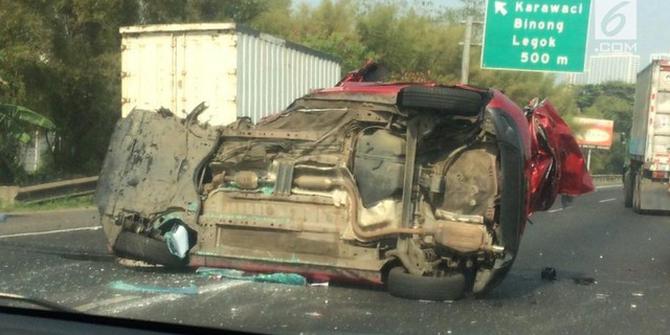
{"x": 646, "y": 178}
{"x": 235, "y": 70}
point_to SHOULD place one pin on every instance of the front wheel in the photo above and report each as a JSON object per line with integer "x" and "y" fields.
{"x": 405, "y": 285}
{"x": 135, "y": 246}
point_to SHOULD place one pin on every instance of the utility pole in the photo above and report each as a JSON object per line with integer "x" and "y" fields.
{"x": 467, "y": 43}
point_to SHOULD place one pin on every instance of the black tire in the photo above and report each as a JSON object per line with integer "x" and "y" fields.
{"x": 456, "y": 101}
{"x": 628, "y": 190}
{"x": 404, "y": 285}
{"x": 496, "y": 277}
{"x": 636, "y": 194}
{"x": 135, "y": 246}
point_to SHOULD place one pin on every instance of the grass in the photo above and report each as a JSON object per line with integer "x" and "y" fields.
{"x": 63, "y": 203}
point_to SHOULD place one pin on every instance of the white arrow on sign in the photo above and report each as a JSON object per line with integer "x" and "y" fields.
{"x": 500, "y": 7}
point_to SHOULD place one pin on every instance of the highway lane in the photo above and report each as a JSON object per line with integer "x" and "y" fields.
{"x": 613, "y": 278}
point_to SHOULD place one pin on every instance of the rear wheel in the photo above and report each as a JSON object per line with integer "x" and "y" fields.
{"x": 405, "y": 285}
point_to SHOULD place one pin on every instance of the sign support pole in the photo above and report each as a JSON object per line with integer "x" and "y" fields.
{"x": 465, "y": 59}
{"x": 588, "y": 161}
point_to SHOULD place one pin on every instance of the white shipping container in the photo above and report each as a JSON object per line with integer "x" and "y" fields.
{"x": 235, "y": 70}
{"x": 650, "y": 134}
{"x": 646, "y": 178}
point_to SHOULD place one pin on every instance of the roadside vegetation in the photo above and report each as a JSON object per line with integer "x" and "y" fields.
{"x": 61, "y": 59}
{"x": 63, "y": 203}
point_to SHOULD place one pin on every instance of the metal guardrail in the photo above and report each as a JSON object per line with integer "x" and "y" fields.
{"x": 57, "y": 190}
{"x": 607, "y": 179}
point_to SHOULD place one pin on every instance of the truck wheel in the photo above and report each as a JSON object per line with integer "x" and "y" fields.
{"x": 405, "y": 285}
{"x": 636, "y": 194}
{"x": 628, "y": 190}
{"x": 135, "y": 246}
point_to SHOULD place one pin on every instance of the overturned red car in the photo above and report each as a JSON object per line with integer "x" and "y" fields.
{"x": 422, "y": 187}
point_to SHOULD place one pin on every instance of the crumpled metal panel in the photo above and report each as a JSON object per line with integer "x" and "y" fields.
{"x": 151, "y": 165}
{"x": 556, "y": 165}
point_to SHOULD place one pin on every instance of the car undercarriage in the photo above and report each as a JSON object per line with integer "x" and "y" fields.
{"x": 424, "y": 191}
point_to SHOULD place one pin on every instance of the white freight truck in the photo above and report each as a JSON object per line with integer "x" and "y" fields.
{"x": 646, "y": 177}
{"x": 235, "y": 70}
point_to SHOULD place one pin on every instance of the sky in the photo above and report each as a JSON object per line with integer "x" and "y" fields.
{"x": 652, "y": 24}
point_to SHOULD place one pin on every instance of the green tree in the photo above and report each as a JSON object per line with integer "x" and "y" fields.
{"x": 612, "y": 101}
{"x": 62, "y": 57}
{"x": 16, "y": 125}
{"x": 182, "y": 11}
{"x": 329, "y": 27}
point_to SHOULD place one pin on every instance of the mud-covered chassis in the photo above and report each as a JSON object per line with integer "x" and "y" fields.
{"x": 424, "y": 190}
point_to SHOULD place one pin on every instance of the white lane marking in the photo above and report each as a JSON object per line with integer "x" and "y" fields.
{"x": 163, "y": 298}
{"x": 554, "y": 210}
{"x": 50, "y": 232}
{"x": 607, "y": 200}
{"x": 96, "y": 304}
{"x": 608, "y": 186}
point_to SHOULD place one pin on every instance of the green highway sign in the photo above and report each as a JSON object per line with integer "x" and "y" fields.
{"x": 540, "y": 35}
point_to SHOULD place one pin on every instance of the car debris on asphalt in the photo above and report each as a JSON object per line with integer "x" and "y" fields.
{"x": 277, "y": 278}
{"x": 584, "y": 281}
{"x": 548, "y": 273}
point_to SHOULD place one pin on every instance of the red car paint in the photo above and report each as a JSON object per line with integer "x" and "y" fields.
{"x": 312, "y": 273}
{"x": 388, "y": 89}
{"x": 556, "y": 165}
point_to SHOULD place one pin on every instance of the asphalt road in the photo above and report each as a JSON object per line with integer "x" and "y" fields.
{"x": 612, "y": 268}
